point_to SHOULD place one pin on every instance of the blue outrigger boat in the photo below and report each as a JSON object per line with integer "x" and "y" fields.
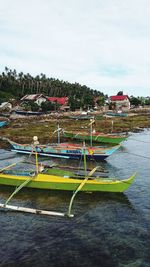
{"x": 3, "y": 123}
{"x": 28, "y": 113}
{"x": 112, "y": 114}
{"x": 65, "y": 150}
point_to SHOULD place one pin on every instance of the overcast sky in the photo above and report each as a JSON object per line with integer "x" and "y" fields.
{"x": 104, "y": 44}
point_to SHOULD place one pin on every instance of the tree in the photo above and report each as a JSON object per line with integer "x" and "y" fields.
{"x": 19, "y": 84}
{"x": 101, "y": 101}
{"x": 147, "y": 102}
{"x": 74, "y": 103}
{"x": 30, "y": 106}
{"x": 135, "y": 101}
{"x": 120, "y": 93}
{"x": 88, "y": 101}
{"x": 34, "y": 106}
{"x": 47, "y": 106}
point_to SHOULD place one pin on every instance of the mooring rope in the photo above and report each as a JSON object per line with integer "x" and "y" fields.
{"x": 141, "y": 156}
{"x": 139, "y": 141}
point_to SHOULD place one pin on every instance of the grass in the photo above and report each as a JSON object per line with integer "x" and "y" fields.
{"x": 23, "y": 130}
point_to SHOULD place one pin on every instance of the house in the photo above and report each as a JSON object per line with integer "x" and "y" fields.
{"x": 120, "y": 102}
{"x": 62, "y": 101}
{"x": 5, "y": 106}
{"x": 37, "y": 98}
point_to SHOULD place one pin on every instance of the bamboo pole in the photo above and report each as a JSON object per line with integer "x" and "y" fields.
{"x": 11, "y": 165}
{"x": 81, "y": 184}
{"x": 19, "y": 188}
{"x": 58, "y": 133}
{"x": 36, "y": 162}
{"x": 91, "y": 135}
{"x": 84, "y": 155}
{"x": 112, "y": 126}
{"x": 91, "y": 130}
{"x": 34, "y": 211}
{"x": 74, "y": 194}
{"x": 43, "y": 154}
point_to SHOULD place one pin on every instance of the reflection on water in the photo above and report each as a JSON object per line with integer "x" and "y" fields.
{"x": 59, "y": 200}
{"x": 107, "y": 230}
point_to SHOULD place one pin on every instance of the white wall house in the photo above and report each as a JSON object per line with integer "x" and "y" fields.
{"x": 37, "y": 98}
{"x": 121, "y": 102}
{"x": 6, "y": 105}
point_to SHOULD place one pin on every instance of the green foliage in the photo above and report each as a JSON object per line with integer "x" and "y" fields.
{"x": 135, "y": 101}
{"x": 16, "y": 85}
{"x": 76, "y": 102}
{"x": 5, "y": 96}
{"x": 101, "y": 101}
{"x": 112, "y": 106}
{"x": 34, "y": 106}
{"x": 30, "y": 106}
{"x": 120, "y": 93}
{"x": 47, "y": 106}
{"x": 147, "y": 102}
{"x": 72, "y": 103}
{"x": 88, "y": 101}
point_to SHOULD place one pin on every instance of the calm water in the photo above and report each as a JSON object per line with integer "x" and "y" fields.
{"x": 107, "y": 230}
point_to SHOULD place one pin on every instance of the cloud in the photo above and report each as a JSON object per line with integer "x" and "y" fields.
{"x": 103, "y": 44}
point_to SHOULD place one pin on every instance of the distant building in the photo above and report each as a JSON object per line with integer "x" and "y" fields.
{"x": 37, "y": 98}
{"x": 5, "y": 106}
{"x": 120, "y": 102}
{"x": 62, "y": 101}
{"x": 59, "y": 100}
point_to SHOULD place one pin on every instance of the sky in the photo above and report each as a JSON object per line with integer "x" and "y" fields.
{"x": 103, "y": 44}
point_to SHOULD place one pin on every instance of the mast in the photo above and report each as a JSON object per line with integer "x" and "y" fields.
{"x": 58, "y": 136}
{"x": 35, "y": 143}
{"x": 91, "y": 130}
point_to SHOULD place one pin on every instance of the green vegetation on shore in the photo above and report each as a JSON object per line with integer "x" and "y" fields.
{"x": 15, "y": 85}
{"x": 23, "y": 130}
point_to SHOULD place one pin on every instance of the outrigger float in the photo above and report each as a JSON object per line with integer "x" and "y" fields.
{"x": 52, "y": 180}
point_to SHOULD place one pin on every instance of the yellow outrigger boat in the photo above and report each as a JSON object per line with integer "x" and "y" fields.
{"x": 54, "y": 179}
{"x": 58, "y": 182}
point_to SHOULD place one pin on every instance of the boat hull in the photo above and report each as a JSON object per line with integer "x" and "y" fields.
{"x": 117, "y": 114}
{"x": 65, "y": 151}
{"x": 51, "y": 182}
{"x": 3, "y": 123}
{"x": 28, "y": 113}
{"x": 96, "y": 138}
{"x": 63, "y": 155}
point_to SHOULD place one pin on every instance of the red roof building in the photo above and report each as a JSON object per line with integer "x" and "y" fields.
{"x": 121, "y": 102}
{"x": 119, "y": 97}
{"x": 59, "y": 100}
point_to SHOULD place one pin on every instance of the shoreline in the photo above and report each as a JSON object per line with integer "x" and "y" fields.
{"x": 23, "y": 129}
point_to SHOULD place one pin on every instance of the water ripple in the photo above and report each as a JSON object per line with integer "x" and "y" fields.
{"x": 110, "y": 230}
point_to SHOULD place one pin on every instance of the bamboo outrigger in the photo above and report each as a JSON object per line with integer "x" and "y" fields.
{"x": 55, "y": 181}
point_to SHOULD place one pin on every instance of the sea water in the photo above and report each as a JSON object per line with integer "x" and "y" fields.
{"x": 107, "y": 229}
